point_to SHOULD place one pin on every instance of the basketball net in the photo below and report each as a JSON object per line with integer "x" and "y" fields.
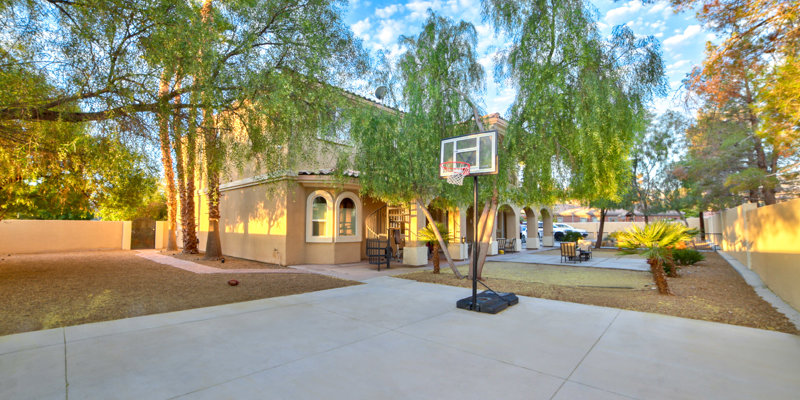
{"x": 457, "y": 169}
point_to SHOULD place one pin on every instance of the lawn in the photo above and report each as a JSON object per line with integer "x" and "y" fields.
{"x": 45, "y": 291}
{"x": 710, "y": 290}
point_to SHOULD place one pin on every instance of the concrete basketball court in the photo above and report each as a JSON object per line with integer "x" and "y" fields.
{"x": 398, "y": 339}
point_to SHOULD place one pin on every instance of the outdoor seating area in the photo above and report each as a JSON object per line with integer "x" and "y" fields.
{"x": 576, "y": 252}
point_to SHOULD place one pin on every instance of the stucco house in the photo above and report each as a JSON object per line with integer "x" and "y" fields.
{"x": 307, "y": 216}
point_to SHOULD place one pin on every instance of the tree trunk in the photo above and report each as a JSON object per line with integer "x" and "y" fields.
{"x": 439, "y": 239}
{"x": 658, "y": 275}
{"x": 177, "y": 146}
{"x": 213, "y": 241}
{"x": 702, "y": 227}
{"x": 486, "y": 235}
{"x": 436, "y": 257}
{"x": 188, "y": 221}
{"x": 169, "y": 176}
{"x": 602, "y": 227}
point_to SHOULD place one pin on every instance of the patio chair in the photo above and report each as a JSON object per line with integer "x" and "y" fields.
{"x": 585, "y": 250}
{"x": 511, "y": 245}
{"x": 569, "y": 252}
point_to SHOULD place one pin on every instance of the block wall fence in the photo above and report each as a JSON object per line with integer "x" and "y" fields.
{"x": 766, "y": 240}
{"x": 47, "y": 236}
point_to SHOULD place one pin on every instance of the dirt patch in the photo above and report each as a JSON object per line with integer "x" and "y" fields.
{"x": 230, "y": 262}
{"x": 45, "y": 291}
{"x": 710, "y": 290}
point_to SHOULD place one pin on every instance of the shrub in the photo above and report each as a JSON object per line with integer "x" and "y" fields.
{"x": 572, "y": 237}
{"x": 687, "y": 256}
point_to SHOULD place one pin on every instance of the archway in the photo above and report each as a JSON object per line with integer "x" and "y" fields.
{"x": 507, "y": 229}
{"x": 532, "y": 241}
{"x": 547, "y": 228}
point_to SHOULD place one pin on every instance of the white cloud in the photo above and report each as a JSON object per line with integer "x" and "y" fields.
{"x": 619, "y": 14}
{"x": 688, "y": 33}
{"x": 360, "y": 27}
{"x": 390, "y": 31}
{"x": 659, "y": 7}
{"x": 677, "y": 64}
{"x": 388, "y": 11}
{"x": 418, "y": 9}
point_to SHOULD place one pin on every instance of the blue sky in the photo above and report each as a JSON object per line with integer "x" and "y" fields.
{"x": 380, "y": 23}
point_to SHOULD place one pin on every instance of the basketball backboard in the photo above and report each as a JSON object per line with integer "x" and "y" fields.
{"x": 479, "y": 150}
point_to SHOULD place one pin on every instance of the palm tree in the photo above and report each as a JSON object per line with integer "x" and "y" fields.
{"x": 427, "y": 235}
{"x": 655, "y": 242}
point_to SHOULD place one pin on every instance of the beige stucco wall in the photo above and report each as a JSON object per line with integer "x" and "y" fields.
{"x": 42, "y": 236}
{"x": 766, "y": 240}
{"x": 253, "y": 223}
{"x": 267, "y": 222}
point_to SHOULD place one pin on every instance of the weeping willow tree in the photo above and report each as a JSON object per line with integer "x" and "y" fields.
{"x": 433, "y": 84}
{"x": 580, "y": 100}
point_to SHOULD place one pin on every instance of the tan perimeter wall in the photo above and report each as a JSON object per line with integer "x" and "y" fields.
{"x": 766, "y": 240}
{"x": 593, "y": 227}
{"x": 43, "y": 236}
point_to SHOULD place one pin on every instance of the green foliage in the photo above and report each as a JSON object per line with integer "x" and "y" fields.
{"x": 572, "y": 237}
{"x": 437, "y": 77}
{"x": 655, "y": 240}
{"x": 427, "y": 235}
{"x": 580, "y": 98}
{"x": 687, "y": 256}
{"x": 64, "y": 173}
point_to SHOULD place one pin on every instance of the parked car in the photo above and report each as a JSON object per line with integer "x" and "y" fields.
{"x": 561, "y": 229}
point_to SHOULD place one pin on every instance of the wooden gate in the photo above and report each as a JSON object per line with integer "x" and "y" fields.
{"x": 143, "y": 234}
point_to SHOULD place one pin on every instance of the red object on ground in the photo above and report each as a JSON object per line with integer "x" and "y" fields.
{"x": 233, "y": 282}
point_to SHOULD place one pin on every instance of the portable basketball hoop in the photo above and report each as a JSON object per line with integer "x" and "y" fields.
{"x": 455, "y": 171}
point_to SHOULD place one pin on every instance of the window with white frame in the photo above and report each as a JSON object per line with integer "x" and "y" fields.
{"x": 348, "y": 212}
{"x": 347, "y": 217}
{"x": 319, "y": 211}
{"x": 319, "y": 217}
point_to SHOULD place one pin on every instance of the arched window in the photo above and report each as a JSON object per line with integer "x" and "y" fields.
{"x": 319, "y": 211}
{"x": 347, "y": 217}
{"x": 348, "y": 212}
{"x": 319, "y": 217}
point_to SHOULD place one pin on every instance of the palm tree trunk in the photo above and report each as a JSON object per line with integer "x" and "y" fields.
{"x": 436, "y": 257}
{"x": 439, "y": 239}
{"x": 658, "y": 275}
{"x": 166, "y": 163}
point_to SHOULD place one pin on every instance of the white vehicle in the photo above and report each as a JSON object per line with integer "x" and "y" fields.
{"x": 561, "y": 229}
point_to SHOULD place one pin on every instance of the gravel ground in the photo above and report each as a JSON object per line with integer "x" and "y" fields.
{"x": 43, "y": 291}
{"x": 710, "y": 290}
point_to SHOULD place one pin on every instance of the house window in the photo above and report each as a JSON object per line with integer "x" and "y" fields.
{"x": 348, "y": 211}
{"x": 319, "y": 217}
{"x": 347, "y": 217}
{"x": 319, "y": 211}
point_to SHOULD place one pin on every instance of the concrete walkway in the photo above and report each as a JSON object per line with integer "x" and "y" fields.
{"x": 155, "y": 256}
{"x": 399, "y": 339}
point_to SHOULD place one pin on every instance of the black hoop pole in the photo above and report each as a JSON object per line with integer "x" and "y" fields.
{"x": 475, "y": 242}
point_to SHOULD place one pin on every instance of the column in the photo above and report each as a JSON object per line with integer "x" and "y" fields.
{"x": 415, "y": 252}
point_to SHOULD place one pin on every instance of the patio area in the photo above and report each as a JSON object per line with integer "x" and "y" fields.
{"x": 394, "y": 338}
{"x": 600, "y": 259}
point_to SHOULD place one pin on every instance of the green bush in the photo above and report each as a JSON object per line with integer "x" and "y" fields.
{"x": 572, "y": 237}
{"x": 687, "y": 256}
